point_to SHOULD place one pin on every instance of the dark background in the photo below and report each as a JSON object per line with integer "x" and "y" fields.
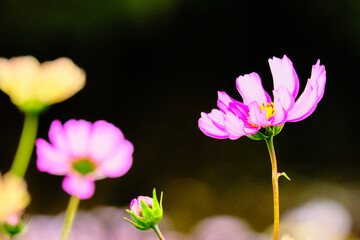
{"x": 153, "y": 65}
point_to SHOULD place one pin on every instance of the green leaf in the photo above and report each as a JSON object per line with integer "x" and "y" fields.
{"x": 284, "y": 174}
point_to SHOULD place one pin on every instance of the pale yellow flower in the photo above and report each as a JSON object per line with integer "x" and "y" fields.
{"x": 33, "y": 86}
{"x": 13, "y": 197}
{"x": 287, "y": 237}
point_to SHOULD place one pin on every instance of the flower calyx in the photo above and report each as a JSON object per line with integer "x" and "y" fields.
{"x": 265, "y": 133}
{"x": 146, "y": 212}
{"x": 12, "y": 229}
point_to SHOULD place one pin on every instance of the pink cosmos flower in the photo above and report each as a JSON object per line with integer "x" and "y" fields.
{"x": 234, "y": 119}
{"x": 84, "y": 152}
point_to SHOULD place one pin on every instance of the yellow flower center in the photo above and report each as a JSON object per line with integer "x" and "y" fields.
{"x": 270, "y": 112}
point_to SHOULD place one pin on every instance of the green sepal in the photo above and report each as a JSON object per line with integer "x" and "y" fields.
{"x": 135, "y": 225}
{"x": 265, "y": 133}
{"x": 34, "y": 107}
{"x": 139, "y": 222}
{"x": 161, "y": 198}
{"x": 147, "y": 212}
{"x": 157, "y": 208}
{"x": 257, "y": 136}
{"x": 277, "y": 129}
{"x": 13, "y": 230}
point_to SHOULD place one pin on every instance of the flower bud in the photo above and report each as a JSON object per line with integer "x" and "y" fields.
{"x": 135, "y": 205}
{"x": 145, "y": 211}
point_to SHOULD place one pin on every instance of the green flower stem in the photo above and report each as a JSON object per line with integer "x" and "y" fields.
{"x": 158, "y": 232}
{"x": 70, "y": 216}
{"x": 26, "y": 145}
{"x": 275, "y": 184}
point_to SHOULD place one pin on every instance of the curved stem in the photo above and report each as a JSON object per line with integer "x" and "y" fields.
{"x": 26, "y": 145}
{"x": 275, "y": 184}
{"x": 69, "y": 217}
{"x": 158, "y": 232}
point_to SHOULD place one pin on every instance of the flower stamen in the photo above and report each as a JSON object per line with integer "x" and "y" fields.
{"x": 270, "y": 112}
{"x": 270, "y": 109}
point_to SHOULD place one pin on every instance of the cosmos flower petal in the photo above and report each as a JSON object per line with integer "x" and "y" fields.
{"x": 239, "y": 109}
{"x": 257, "y": 116}
{"x": 78, "y": 135}
{"x": 81, "y": 186}
{"x": 305, "y": 105}
{"x": 105, "y": 139}
{"x": 234, "y": 126}
{"x": 248, "y": 129}
{"x": 251, "y": 89}
{"x": 58, "y": 137}
{"x": 217, "y": 117}
{"x": 280, "y": 113}
{"x": 318, "y": 75}
{"x": 50, "y": 159}
{"x": 284, "y": 75}
{"x": 208, "y": 127}
{"x": 119, "y": 163}
{"x": 285, "y": 98}
{"x": 224, "y": 101}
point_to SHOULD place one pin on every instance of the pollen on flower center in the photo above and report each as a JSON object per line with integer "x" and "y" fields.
{"x": 83, "y": 166}
{"x": 270, "y": 110}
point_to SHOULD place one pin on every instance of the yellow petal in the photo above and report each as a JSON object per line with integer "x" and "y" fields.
{"x": 13, "y": 196}
{"x": 27, "y": 81}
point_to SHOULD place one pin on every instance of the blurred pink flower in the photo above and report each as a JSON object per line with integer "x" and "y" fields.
{"x": 84, "y": 152}
{"x": 234, "y": 119}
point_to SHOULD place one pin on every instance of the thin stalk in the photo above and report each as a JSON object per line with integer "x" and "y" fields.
{"x": 69, "y": 217}
{"x": 158, "y": 232}
{"x": 275, "y": 184}
{"x": 26, "y": 145}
